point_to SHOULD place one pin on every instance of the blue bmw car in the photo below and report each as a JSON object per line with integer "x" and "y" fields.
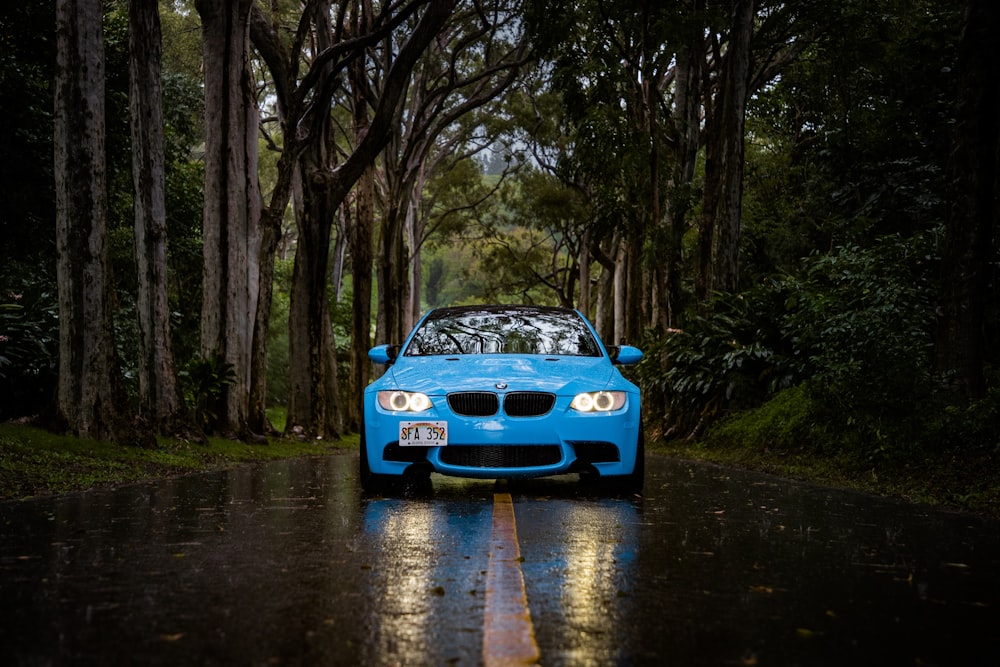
{"x": 503, "y": 392}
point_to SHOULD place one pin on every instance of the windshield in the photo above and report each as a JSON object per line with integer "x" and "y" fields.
{"x": 499, "y": 331}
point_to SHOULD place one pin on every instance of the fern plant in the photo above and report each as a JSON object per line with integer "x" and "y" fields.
{"x": 205, "y": 382}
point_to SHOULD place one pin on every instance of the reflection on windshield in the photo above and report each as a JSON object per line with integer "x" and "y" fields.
{"x": 504, "y": 332}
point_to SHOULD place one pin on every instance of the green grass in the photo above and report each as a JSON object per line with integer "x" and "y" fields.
{"x": 946, "y": 460}
{"x": 35, "y": 462}
{"x": 968, "y": 483}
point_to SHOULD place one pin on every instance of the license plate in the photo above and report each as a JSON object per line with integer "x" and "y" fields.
{"x": 423, "y": 434}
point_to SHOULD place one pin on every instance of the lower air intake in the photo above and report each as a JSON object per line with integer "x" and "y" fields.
{"x": 501, "y": 456}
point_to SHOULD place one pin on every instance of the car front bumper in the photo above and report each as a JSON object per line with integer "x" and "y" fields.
{"x": 561, "y": 441}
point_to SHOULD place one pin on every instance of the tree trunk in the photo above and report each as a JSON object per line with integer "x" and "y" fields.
{"x": 393, "y": 260}
{"x": 271, "y": 233}
{"x": 970, "y": 236}
{"x": 686, "y": 119}
{"x": 314, "y": 403}
{"x": 339, "y": 254}
{"x": 362, "y": 263}
{"x": 703, "y": 279}
{"x": 416, "y": 226}
{"x": 605, "y": 253}
{"x": 232, "y": 205}
{"x": 313, "y": 407}
{"x": 160, "y": 401}
{"x": 735, "y": 80}
{"x": 584, "y": 302}
{"x": 636, "y": 301}
{"x": 361, "y": 234}
{"x": 620, "y": 286}
{"x": 392, "y": 276}
{"x": 90, "y": 398}
{"x": 719, "y": 231}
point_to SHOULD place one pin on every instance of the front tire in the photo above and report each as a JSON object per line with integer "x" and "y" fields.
{"x": 634, "y": 482}
{"x": 624, "y": 485}
{"x": 371, "y": 483}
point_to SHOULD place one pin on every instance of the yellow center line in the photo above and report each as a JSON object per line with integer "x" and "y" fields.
{"x": 509, "y": 637}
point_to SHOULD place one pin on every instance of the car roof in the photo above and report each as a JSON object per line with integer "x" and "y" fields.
{"x": 498, "y": 309}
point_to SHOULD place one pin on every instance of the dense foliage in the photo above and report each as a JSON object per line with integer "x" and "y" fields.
{"x": 29, "y": 340}
{"x": 854, "y": 329}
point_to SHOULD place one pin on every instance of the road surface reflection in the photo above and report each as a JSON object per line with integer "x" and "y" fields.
{"x": 287, "y": 564}
{"x": 424, "y": 579}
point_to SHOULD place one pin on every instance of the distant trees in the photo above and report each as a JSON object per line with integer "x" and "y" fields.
{"x": 324, "y": 167}
{"x": 318, "y": 171}
{"x": 725, "y": 113}
{"x": 474, "y": 60}
{"x": 729, "y": 153}
{"x": 648, "y": 87}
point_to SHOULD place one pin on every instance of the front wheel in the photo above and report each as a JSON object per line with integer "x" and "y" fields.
{"x": 630, "y": 484}
{"x": 633, "y": 483}
{"x": 371, "y": 483}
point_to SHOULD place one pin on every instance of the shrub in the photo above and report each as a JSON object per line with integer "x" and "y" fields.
{"x": 789, "y": 421}
{"x": 968, "y": 428}
{"x": 853, "y": 331}
{"x": 204, "y": 381}
{"x": 861, "y": 322}
{"x": 29, "y": 345}
{"x": 733, "y": 357}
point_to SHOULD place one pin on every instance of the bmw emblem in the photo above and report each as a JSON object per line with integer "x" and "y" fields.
{"x": 501, "y": 385}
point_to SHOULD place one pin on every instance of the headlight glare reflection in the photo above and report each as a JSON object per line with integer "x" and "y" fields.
{"x": 599, "y": 401}
{"x": 403, "y": 401}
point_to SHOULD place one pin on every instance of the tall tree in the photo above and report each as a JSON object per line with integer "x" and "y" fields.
{"x": 160, "y": 401}
{"x": 683, "y": 133}
{"x": 340, "y": 181}
{"x": 90, "y": 400}
{"x": 361, "y": 234}
{"x": 719, "y": 235}
{"x": 471, "y": 63}
{"x": 615, "y": 65}
{"x": 314, "y": 403}
{"x": 327, "y": 175}
{"x": 970, "y": 252}
{"x": 232, "y": 204}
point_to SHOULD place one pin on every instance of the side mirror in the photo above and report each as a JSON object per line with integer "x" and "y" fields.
{"x": 625, "y": 355}
{"x": 384, "y": 354}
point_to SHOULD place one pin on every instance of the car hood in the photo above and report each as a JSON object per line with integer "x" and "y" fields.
{"x": 487, "y": 372}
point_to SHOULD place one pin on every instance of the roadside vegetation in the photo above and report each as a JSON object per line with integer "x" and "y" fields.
{"x": 827, "y": 375}
{"x": 35, "y": 462}
{"x": 959, "y": 481}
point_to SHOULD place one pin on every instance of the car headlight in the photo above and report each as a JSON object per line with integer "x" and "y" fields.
{"x": 598, "y": 401}
{"x": 403, "y": 401}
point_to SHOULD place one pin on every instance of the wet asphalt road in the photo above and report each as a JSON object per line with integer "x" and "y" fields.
{"x": 287, "y": 564}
